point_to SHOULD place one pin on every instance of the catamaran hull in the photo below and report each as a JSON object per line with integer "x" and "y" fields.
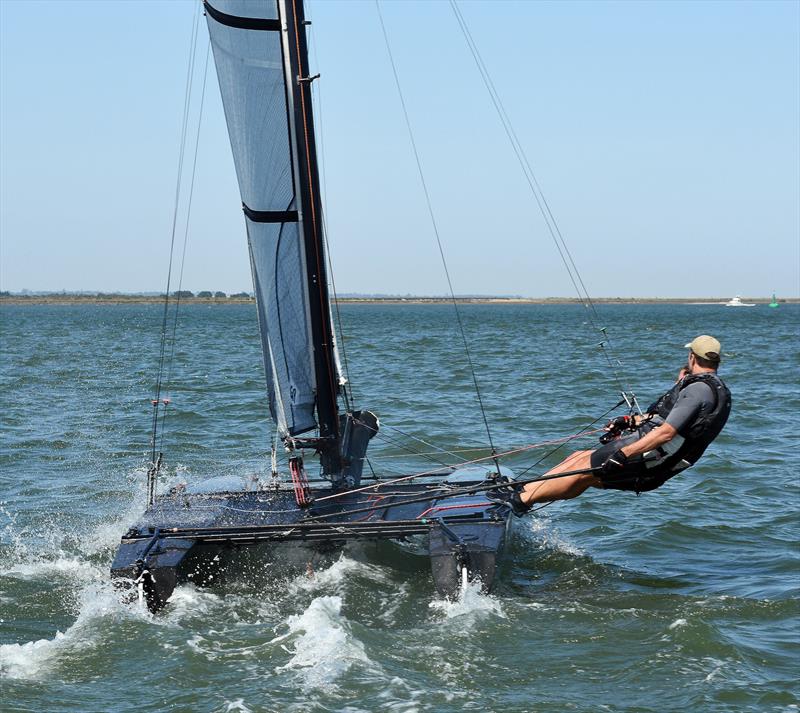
{"x": 479, "y": 550}
{"x": 196, "y": 537}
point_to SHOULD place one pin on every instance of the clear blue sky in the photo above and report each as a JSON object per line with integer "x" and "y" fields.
{"x": 665, "y": 135}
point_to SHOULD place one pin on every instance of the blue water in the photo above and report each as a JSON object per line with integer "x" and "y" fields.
{"x": 681, "y": 599}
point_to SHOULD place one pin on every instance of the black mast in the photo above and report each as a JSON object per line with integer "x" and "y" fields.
{"x": 299, "y": 84}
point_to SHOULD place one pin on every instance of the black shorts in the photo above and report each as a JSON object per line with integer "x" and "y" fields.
{"x": 635, "y": 476}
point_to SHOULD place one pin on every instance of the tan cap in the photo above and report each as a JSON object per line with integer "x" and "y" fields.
{"x": 706, "y": 347}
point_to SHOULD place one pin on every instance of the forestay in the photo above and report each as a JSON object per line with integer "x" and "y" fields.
{"x": 259, "y": 88}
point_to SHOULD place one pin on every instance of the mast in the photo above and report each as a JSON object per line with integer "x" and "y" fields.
{"x": 298, "y": 83}
{"x": 261, "y": 56}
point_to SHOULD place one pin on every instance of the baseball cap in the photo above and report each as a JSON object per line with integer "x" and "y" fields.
{"x": 705, "y": 347}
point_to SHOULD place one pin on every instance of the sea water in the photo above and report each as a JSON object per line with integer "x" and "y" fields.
{"x": 681, "y": 599}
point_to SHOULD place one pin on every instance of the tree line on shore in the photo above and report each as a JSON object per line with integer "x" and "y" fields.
{"x": 208, "y": 294}
{"x": 181, "y": 294}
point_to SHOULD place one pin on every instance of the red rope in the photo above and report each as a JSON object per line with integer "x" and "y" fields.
{"x": 299, "y": 482}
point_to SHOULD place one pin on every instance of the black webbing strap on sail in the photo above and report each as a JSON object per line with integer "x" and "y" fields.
{"x": 270, "y": 216}
{"x": 241, "y": 23}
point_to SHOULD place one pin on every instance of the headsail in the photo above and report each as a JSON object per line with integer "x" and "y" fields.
{"x": 261, "y": 59}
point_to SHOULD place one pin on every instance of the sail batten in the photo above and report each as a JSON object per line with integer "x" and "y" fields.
{"x": 256, "y": 55}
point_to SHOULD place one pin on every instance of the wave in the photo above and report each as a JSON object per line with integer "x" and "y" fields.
{"x": 36, "y": 660}
{"x": 322, "y": 646}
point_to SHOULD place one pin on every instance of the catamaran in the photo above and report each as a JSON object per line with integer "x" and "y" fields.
{"x": 186, "y": 533}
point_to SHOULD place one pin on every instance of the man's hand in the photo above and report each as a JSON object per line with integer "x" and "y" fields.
{"x": 616, "y": 426}
{"x": 620, "y": 423}
{"x": 614, "y": 463}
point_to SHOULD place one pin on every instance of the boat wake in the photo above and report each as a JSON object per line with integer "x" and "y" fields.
{"x": 295, "y": 627}
{"x": 69, "y": 575}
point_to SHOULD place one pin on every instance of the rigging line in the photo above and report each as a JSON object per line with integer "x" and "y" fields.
{"x": 583, "y": 431}
{"x": 186, "y": 104}
{"x": 395, "y": 470}
{"x": 430, "y": 445}
{"x": 483, "y": 487}
{"x": 424, "y": 473}
{"x": 409, "y": 449}
{"x": 544, "y": 206}
{"x": 479, "y": 449}
{"x": 439, "y": 450}
{"x": 510, "y": 454}
{"x": 171, "y": 360}
{"x": 522, "y": 156}
{"x": 316, "y": 93}
{"x": 347, "y": 387}
{"x": 436, "y": 231}
{"x": 538, "y": 193}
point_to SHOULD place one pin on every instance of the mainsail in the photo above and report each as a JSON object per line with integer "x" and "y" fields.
{"x": 261, "y": 59}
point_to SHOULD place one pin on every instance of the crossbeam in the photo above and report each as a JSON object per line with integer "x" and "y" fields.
{"x": 314, "y": 531}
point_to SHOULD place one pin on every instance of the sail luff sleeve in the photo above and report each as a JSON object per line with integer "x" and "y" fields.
{"x": 327, "y": 374}
{"x": 246, "y": 39}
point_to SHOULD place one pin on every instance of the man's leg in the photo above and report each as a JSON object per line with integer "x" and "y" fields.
{"x": 570, "y": 486}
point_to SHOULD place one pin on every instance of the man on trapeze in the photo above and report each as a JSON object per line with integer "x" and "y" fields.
{"x": 642, "y": 452}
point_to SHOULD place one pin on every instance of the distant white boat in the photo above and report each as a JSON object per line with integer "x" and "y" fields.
{"x": 737, "y": 302}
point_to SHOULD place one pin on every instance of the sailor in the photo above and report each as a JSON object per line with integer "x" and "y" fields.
{"x": 641, "y": 453}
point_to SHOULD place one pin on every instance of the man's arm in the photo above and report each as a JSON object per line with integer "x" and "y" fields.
{"x": 686, "y": 408}
{"x": 657, "y": 437}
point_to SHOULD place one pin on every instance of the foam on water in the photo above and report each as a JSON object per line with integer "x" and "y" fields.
{"x": 470, "y": 603}
{"x": 716, "y": 668}
{"x": 542, "y": 533}
{"x": 47, "y": 558}
{"x": 37, "y": 659}
{"x": 322, "y": 646}
{"x": 66, "y": 567}
{"x": 31, "y": 659}
{"x": 54, "y": 549}
{"x": 189, "y": 601}
{"x": 337, "y": 575}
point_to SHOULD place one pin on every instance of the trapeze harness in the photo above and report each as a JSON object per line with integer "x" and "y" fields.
{"x": 656, "y": 467}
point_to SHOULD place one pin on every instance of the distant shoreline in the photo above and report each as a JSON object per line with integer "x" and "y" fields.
{"x": 114, "y": 299}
